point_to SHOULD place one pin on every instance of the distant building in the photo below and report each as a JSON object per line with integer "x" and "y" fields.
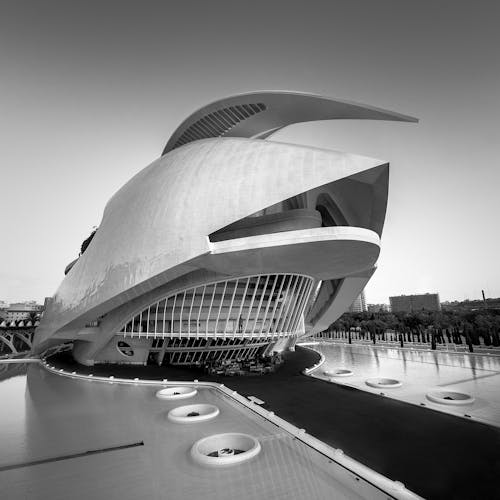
{"x": 377, "y": 308}
{"x": 21, "y": 311}
{"x": 471, "y": 305}
{"x": 413, "y": 303}
{"x": 359, "y": 304}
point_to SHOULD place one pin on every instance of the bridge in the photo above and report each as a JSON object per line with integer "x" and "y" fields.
{"x": 16, "y": 337}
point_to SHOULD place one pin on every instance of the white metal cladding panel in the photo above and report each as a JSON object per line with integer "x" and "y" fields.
{"x": 264, "y": 306}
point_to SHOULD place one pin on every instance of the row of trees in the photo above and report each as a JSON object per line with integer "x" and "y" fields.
{"x": 426, "y": 326}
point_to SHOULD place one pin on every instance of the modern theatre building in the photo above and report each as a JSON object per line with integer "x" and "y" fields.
{"x": 230, "y": 245}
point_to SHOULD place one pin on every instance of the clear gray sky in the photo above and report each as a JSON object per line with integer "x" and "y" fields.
{"x": 91, "y": 90}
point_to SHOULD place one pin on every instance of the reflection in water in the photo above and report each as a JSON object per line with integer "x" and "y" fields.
{"x": 436, "y": 362}
{"x": 472, "y": 362}
{"x": 98, "y": 411}
{"x": 9, "y": 370}
{"x": 371, "y": 357}
{"x": 403, "y": 353}
{"x": 12, "y": 413}
{"x": 420, "y": 371}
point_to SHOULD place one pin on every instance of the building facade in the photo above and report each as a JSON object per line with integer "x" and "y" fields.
{"x": 377, "y": 308}
{"x": 21, "y": 311}
{"x": 230, "y": 245}
{"x": 414, "y": 303}
{"x": 359, "y": 304}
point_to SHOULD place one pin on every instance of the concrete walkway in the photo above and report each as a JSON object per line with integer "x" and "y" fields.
{"x": 433, "y": 454}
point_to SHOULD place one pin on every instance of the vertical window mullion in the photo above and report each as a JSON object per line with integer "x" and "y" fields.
{"x": 291, "y": 306}
{"x": 269, "y": 300}
{"x": 191, "y": 310}
{"x": 220, "y": 307}
{"x": 199, "y": 311}
{"x": 298, "y": 302}
{"x": 283, "y": 305}
{"x": 276, "y": 302}
{"x": 237, "y": 324}
{"x": 251, "y": 305}
{"x": 173, "y": 314}
{"x": 164, "y": 314}
{"x": 260, "y": 303}
{"x": 156, "y": 318}
{"x": 307, "y": 296}
{"x": 182, "y": 314}
{"x": 231, "y": 306}
{"x": 300, "y": 307}
{"x": 209, "y": 315}
{"x": 295, "y": 279}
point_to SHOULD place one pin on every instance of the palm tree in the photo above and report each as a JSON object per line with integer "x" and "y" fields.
{"x": 33, "y": 316}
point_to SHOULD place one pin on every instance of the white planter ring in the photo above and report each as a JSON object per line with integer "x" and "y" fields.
{"x": 339, "y": 372}
{"x": 383, "y": 383}
{"x": 222, "y": 450}
{"x": 191, "y": 414}
{"x": 448, "y": 397}
{"x": 171, "y": 393}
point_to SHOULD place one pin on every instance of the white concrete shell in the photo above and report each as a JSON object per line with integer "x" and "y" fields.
{"x": 260, "y": 114}
{"x": 316, "y": 213}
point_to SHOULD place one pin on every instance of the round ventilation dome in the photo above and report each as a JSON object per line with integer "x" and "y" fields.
{"x": 448, "y": 397}
{"x": 191, "y": 414}
{"x": 339, "y": 372}
{"x": 222, "y": 450}
{"x": 385, "y": 383}
{"x": 176, "y": 393}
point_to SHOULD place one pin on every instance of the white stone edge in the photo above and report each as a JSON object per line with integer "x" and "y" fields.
{"x": 299, "y": 236}
{"x": 322, "y": 359}
{"x": 393, "y": 488}
{"x": 12, "y": 361}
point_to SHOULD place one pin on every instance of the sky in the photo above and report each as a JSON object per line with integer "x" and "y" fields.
{"x": 90, "y": 92}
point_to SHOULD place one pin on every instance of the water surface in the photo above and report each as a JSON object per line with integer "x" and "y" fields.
{"x": 420, "y": 371}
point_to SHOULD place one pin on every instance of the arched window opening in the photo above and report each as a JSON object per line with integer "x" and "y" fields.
{"x": 331, "y": 215}
{"x": 326, "y": 218}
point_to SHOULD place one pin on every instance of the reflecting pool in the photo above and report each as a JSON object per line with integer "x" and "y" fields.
{"x": 419, "y": 372}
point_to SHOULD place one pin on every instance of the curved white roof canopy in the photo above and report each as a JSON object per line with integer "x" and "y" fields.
{"x": 259, "y": 114}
